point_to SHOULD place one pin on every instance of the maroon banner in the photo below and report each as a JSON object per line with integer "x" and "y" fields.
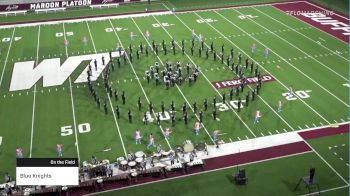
{"x": 323, "y": 19}
{"x": 57, "y": 4}
{"x": 237, "y": 82}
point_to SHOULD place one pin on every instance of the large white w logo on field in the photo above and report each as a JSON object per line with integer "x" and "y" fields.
{"x": 25, "y": 75}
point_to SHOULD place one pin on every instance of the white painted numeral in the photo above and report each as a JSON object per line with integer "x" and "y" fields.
{"x": 302, "y": 94}
{"x": 246, "y": 16}
{"x": 82, "y": 128}
{"x": 66, "y": 130}
{"x": 208, "y": 20}
{"x": 108, "y": 30}
{"x": 347, "y": 85}
{"x": 60, "y": 34}
{"x": 234, "y": 104}
{"x": 164, "y": 24}
{"x": 222, "y": 107}
{"x": 7, "y": 39}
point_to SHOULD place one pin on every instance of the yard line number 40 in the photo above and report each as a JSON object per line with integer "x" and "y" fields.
{"x": 82, "y": 128}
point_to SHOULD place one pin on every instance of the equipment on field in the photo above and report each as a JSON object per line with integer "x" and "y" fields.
{"x": 188, "y": 146}
{"x": 309, "y": 181}
{"x": 139, "y": 154}
{"x": 240, "y": 177}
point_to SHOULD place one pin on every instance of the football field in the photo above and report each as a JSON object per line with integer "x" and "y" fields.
{"x": 45, "y": 99}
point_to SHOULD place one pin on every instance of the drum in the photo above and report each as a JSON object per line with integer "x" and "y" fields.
{"x": 132, "y": 164}
{"x": 188, "y": 146}
{"x": 139, "y": 161}
{"x": 165, "y": 154}
{"x": 200, "y": 147}
{"x": 119, "y": 159}
{"x": 105, "y": 162}
{"x": 139, "y": 154}
{"x": 123, "y": 165}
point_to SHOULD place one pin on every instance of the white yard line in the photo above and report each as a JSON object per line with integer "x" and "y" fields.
{"x": 301, "y": 72}
{"x": 325, "y": 190}
{"x": 188, "y": 103}
{"x": 263, "y": 66}
{"x": 330, "y": 166}
{"x": 300, "y": 33}
{"x": 8, "y": 52}
{"x": 143, "y": 90}
{"x": 109, "y": 98}
{"x": 34, "y": 95}
{"x": 72, "y": 102}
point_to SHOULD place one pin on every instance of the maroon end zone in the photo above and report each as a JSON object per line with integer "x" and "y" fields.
{"x": 237, "y": 82}
{"x": 321, "y": 18}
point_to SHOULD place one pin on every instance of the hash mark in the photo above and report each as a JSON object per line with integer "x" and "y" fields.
{"x": 321, "y": 124}
{"x": 262, "y": 134}
{"x": 306, "y": 126}
{"x": 247, "y": 137}
{"x": 230, "y": 139}
{"x": 270, "y": 133}
{"x": 299, "y": 127}
{"x": 313, "y": 124}
{"x": 239, "y": 138}
{"x": 285, "y": 130}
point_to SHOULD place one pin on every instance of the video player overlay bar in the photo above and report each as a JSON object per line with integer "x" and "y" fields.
{"x": 47, "y": 171}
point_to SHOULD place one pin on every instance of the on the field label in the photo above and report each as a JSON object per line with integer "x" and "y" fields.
{"x": 208, "y": 20}
{"x": 82, "y": 128}
{"x": 164, "y": 24}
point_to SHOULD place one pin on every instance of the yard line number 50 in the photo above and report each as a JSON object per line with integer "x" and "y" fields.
{"x": 82, "y": 128}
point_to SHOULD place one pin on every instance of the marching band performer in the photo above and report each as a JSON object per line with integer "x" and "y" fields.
{"x": 167, "y": 133}
{"x": 197, "y": 127}
{"x": 19, "y": 152}
{"x": 257, "y": 117}
{"x": 138, "y": 136}
{"x": 59, "y": 148}
{"x": 151, "y": 141}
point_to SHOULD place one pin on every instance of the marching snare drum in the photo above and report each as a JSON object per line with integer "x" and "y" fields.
{"x": 139, "y": 154}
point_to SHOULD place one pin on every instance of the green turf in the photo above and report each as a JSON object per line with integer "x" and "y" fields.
{"x": 38, "y": 123}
